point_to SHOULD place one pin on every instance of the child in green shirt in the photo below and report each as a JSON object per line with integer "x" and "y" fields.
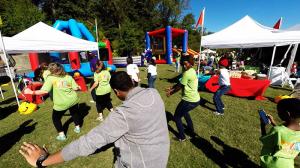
{"x": 282, "y": 144}
{"x": 64, "y": 97}
{"x": 103, "y": 89}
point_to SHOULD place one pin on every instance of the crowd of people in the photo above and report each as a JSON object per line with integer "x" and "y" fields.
{"x": 138, "y": 127}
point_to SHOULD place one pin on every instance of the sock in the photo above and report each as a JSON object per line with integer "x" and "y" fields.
{"x": 61, "y": 134}
{"x": 100, "y": 114}
{"x": 77, "y": 127}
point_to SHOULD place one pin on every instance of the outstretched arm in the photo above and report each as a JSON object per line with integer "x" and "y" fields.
{"x": 32, "y": 152}
{"x": 85, "y": 145}
{"x": 36, "y": 92}
{"x": 173, "y": 89}
{"x": 94, "y": 85}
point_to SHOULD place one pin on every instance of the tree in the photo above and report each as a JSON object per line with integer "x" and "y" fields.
{"x": 188, "y": 21}
{"x": 18, "y": 15}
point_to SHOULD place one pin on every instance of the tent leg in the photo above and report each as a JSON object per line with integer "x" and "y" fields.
{"x": 292, "y": 59}
{"x": 9, "y": 70}
{"x": 1, "y": 93}
{"x": 272, "y": 61}
{"x": 285, "y": 55}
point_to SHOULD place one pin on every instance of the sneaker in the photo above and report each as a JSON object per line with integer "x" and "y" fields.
{"x": 61, "y": 137}
{"x": 178, "y": 139}
{"x": 77, "y": 130}
{"x": 218, "y": 114}
{"x": 100, "y": 118}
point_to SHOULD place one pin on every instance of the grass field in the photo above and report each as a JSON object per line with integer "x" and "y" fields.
{"x": 231, "y": 140}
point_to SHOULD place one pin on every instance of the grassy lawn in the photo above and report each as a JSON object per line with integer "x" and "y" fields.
{"x": 231, "y": 140}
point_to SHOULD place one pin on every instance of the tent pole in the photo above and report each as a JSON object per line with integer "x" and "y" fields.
{"x": 292, "y": 59}
{"x": 272, "y": 61}
{"x": 96, "y": 24}
{"x": 9, "y": 70}
{"x": 201, "y": 34}
{"x": 285, "y": 55}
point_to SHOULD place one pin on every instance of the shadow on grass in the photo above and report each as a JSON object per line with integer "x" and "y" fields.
{"x": 6, "y": 111}
{"x": 172, "y": 80}
{"x": 170, "y": 117}
{"x": 7, "y": 101}
{"x": 281, "y": 88}
{"x": 83, "y": 111}
{"x": 271, "y": 99}
{"x": 229, "y": 157}
{"x": 203, "y": 103}
{"x": 9, "y": 140}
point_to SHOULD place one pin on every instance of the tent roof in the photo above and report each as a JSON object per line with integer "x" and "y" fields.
{"x": 43, "y": 38}
{"x": 247, "y": 33}
{"x": 294, "y": 28}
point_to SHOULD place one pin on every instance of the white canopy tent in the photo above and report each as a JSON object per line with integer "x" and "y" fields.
{"x": 42, "y": 38}
{"x": 247, "y": 33}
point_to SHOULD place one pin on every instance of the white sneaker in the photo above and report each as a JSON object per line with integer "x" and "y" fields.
{"x": 100, "y": 118}
{"x": 218, "y": 114}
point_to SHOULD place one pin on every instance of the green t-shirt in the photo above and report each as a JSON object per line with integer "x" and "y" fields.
{"x": 64, "y": 94}
{"x": 103, "y": 79}
{"x": 280, "y": 147}
{"x": 190, "y": 82}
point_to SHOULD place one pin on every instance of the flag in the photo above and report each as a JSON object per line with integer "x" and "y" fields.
{"x": 201, "y": 19}
{"x": 278, "y": 24}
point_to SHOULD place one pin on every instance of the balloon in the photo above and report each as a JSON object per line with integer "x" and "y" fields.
{"x": 76, "y": 74}
{"x": 278, "y": 98}
{"x": 27, "y": 108}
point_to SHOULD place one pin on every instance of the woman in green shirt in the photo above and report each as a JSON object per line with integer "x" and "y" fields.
{"x": 64, "y": 97}
{"x": 282, "y": 144}
{"x": 103, "y": 89}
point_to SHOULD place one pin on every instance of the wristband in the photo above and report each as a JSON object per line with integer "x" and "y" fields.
{"x": 41, "y": 159}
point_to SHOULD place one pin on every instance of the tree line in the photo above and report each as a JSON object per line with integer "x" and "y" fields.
{"x": 123, "y": 22}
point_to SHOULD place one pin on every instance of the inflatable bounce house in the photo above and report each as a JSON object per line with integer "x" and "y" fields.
{"x": 72, "y": 63}
{"x": 162, "y": 43}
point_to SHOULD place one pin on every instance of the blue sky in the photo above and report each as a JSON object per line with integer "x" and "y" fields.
{"x": 221, "y": 13}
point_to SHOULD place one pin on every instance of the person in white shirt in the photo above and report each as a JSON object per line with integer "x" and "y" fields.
{"x": 133, "y": 71}
{"x": 224, "y": 83}
{"x": 152, "y": 73}
{"x": 211, "y": 61}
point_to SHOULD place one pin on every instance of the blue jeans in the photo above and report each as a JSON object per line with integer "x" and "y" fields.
{"x": 182, "y": 110}
{"x": 217, "y": 98}
{"x": 151, "y": 80}
{"x": 177, "y": 66}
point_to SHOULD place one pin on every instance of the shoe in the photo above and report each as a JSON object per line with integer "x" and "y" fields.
{"x": 77, "y": 130}
{"x": 218, "y": 114}
{"x": 178, "y": 139}
{"x": 100, "y": 118}
{"x": 61, "y": 137}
